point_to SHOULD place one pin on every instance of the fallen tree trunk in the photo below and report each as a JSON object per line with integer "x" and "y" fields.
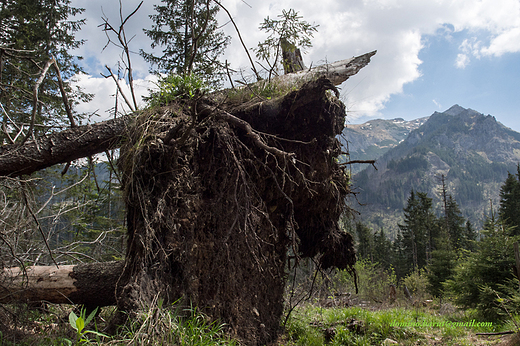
{"x": 217, "y": 193}
{"x": 337, "y": 72}
{"x": 90, "y": 284}
{"x": 61, "y": 147}
{"x": 83, "y": 141}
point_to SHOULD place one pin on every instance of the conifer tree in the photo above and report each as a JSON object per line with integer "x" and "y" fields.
{"x": 382, "y": 249}
{"x": 455, "y": 223}
{"x": 441, "y": 265}
{"x": 191, "y": 41}
{"x": 32, "y": 33}
{"x": 483, "y": 274}
{"x": 510, "y": 201}
{"x": 365, "y": 241}
{"x": 417, "y": 230}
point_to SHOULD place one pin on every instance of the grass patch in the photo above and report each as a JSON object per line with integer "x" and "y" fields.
{"x": 157, "y": 325}
{"x": 313, "y": 325}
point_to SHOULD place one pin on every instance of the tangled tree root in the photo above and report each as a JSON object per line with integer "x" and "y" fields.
{"x": 216, "y": 196}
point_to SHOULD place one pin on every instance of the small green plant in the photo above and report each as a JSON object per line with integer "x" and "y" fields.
{"x": 173, "y": 87}
{"x": 287, "y": 29}
{"x": 78, "y": 323}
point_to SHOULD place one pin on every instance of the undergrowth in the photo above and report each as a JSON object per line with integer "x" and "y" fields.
{"x": 156, "y": 325}
{"x": 309, "y": 325}
{"x": 314, "y": 325}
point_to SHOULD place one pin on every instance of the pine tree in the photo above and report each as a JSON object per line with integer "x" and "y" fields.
{"x": 187, "y": 31}
{"x": 455, "y": 223}
{"x": 382, "y": 249}
{"x": 32, "y": 33}
{"x": 441, "y": 265}
{"x": 365, "y": 239}
{"x": 483, "y": 274}
{"x": 469, "y": 237}
{"x": 417, "y": 231}
{"x": 510, "y": 201}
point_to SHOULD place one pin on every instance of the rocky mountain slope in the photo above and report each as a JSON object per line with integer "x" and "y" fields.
{"x": 372, "y": 139}
{"x": 472, "y": 151}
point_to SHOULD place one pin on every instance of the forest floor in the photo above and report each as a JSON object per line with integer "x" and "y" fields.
{"x": 384, "y": 325}
{"x": 308, "y": 325}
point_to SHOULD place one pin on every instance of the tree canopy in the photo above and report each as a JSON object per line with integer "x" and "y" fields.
{"x": 190, "y": 38}
{"x": 35, "y": 64}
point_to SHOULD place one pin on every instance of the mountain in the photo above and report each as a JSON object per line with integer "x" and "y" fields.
{"x": 372, "y": 139}
{"x": 472, "y": 151}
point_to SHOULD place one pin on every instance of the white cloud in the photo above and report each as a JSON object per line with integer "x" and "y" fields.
{"x": 396, "y": 28}
{"x": 462, "y": 60}
{"x": 506, "y": 42}
{"x": 104, "y": 90}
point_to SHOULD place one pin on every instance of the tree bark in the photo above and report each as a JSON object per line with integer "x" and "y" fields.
{"x": 90, "y": 284}
{"x": 337, "y": 72}
{"x": 61, "y": 147}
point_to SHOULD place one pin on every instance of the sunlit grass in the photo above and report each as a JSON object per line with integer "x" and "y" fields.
{"x": 313, "y": 325}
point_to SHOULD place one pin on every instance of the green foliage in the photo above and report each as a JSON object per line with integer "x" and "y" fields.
{"x": 373, "y": 280}
{"x": 460, "y": 233}
{"x": 365, "y": 241}
{"x": 78, "y": 323}
{"x": 486, "y": 272}
{"x": 32, "y": 32}
{"x": 288, "y": 27}
{"x": 441, "y": 266}
{"x": 356, "y": 326}
{"x": 174, "y": 325}
{"x": 408, "y": 164}
{"x": 173, "y": 87}
{"x": 510, "y": 201}
{"x": 418, "y": 231}
{"x": 417, "y": 284}
{"x": 191, "y": 40}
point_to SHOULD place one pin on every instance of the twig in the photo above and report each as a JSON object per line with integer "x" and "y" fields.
{"x": 35, "y": 98}
{"x": 64, "y": 94}
{"x": 241, "y": 40}
{"x": 229, "y": 75}
{"x": 121, "y": 36}
{"x": 36, "y": 221}
{"x": 372, "y": 162}
{"x": 497, "y": 333}
{"x": 119, "y": 88}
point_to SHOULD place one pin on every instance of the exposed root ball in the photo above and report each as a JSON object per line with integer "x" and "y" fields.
{"x": 216, "y": 196}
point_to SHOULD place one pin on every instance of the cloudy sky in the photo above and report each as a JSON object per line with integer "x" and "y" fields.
{"x": 431, "y": 54}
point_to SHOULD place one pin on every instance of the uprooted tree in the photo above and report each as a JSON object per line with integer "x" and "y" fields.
{"x": 218, "y": 190}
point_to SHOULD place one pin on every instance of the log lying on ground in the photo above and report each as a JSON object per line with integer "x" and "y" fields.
{"x": 90, "y": 284}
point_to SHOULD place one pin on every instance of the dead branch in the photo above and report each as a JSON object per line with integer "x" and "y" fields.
{"x": 64, "y": 94}
{"x": 241, "y": 40}
{"x": 123, "y": 44}
{"x": 35, "y": 98}
{"x": 372, "y": 162}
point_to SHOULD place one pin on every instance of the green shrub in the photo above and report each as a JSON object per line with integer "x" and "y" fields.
{"x": 417, "y": 284}
{"x": 373, "y": 280}
{"x": 173, "y": 87}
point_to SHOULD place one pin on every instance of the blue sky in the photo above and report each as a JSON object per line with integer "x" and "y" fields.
{"x": 431, "y": 54}
{"x": 490, "y": 85}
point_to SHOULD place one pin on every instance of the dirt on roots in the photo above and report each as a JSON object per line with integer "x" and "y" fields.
{"x": 218, "y": 193}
